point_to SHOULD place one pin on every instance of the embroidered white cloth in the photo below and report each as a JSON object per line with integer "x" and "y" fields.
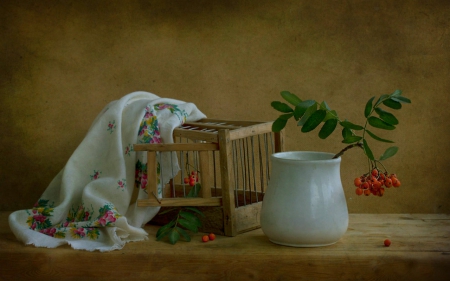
{"x": 88, "y": 204}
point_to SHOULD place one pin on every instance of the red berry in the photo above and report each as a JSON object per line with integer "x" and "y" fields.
{"x": 375, "y": 172}
{"x": 212, "y": 236}
{"x": 387, "y": 242}
{"x": 376, "y": 184}
{"x": 205, "y": 238}
{"x": 359, "y": 191}
{"x": 186, "y": 180}
{"x": 388, "y": 182}
{"x": 365, "y": 185}
{"x": 358, "y": 182}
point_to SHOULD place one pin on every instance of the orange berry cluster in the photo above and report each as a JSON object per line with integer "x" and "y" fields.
{"x": 192, "y": 179}
{"x": 375, "y": 183}
{"x": 209, "y": 237}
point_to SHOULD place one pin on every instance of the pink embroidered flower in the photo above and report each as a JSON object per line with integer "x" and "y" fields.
{"x": 148, "y": 114}
{"x": 155, "y": 139}
{"x": 110, "y": 216}
{"x": 49, "y": 231}
{"x": 79, "y": 232}
{"x": 163, "y": 106}
{"x": 86, "y": 216}
{"x": 144, "y": 181}
{"x": 33, "y": 226}
{"x": 142, "y": 131}
{"x": 107, "y": 218}
{"x": 39, "y": 218}
{"x": 95, "y": 176}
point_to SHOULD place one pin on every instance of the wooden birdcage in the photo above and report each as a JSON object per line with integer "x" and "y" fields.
{"x": 232, "y": 159}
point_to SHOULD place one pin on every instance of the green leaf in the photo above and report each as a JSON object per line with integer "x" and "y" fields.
{"x": 302, "y": 107}
{"x": 381, "y": 99}
{"x": 174, "y": 236}
{"x": 396, "y": 93}
{"x": 183, "y": 233}
{"x": 392, "y": 104}
{"x": 378, "y": 138}
{"x": 328, "y": 128}
{"x": 325, "y": 106}
{"x": 279, "y": 125}
{"x": 350, "y": 125}
{"x": 188, "y": 225}
{"x": 391, "y": 151}
{"x": 368, "y": 108}
{"x": 386, "y": 116}
{"x": 194, "y": 191}
{"x": 352, "y": 139}
{"x": 314, "y": 120}
{"x": 163, "y": 234}
{"x": 378, "y": 123}
{"x": 309, "y": 111}
{"x": 331, "y": 115}
{"x": 367, "y": 150}
{"x": 346, "y": 132}
{"x": 282, "y": 107}
{"x": 291, "y": 98}
{"x": 401, "y": 99}
{"x": 191, "y": 217}
{"x": 164, "y": 228}
{"x": 195, "y": 210}
{"x": 286, "y": 116}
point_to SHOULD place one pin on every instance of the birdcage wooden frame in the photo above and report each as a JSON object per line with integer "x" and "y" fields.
{"x": 220, "y": 137}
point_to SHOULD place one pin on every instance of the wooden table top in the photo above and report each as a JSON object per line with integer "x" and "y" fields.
{"x": 420, "y": 250}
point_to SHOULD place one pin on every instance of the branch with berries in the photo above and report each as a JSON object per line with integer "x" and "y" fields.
{"x": 309, "y": 114}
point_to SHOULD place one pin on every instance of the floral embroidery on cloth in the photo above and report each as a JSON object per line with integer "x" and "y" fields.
{"x": 89, "y": 200}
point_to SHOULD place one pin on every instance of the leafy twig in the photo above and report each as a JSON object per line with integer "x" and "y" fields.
{"x": 309, "y": 114}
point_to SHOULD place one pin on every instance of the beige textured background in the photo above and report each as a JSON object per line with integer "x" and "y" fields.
{"x": 62, "y": 61}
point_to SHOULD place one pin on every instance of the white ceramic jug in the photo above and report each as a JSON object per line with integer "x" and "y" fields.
{"x": 304, "y": 205}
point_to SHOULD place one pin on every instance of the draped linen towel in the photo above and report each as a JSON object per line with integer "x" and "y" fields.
{"x": 88, "y": 204}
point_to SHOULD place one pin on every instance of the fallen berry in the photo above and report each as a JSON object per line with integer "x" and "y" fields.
{"x": 387, "y": 242}
{"x": 212, "y": 236}
{"x": 205, "y": 238}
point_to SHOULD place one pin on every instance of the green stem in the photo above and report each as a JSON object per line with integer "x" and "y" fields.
{"x": 382, "y": 165}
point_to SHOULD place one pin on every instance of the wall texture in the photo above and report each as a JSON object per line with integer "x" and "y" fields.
{"x": 62, "y": 61}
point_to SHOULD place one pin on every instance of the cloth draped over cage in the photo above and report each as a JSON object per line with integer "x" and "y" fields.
{"x": 88, "y": 205}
